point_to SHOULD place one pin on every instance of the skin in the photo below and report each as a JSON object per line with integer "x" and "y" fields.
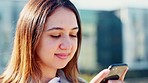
{"x": 58, "y": 42}
{"x": 100, "y": 76}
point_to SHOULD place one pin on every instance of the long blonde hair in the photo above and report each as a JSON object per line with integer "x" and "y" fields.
{"x": 23, "y": 67}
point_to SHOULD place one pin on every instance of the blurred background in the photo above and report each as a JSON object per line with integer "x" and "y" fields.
{"x": 114, "y": 31}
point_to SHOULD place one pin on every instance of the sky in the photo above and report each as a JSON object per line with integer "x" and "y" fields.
{"x": 110, "y": 4}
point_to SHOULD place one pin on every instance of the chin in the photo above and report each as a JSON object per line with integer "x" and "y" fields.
{"x": 61, "y": 66}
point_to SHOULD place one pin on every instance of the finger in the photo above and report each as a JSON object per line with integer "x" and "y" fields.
{"x": 123, "y": 75}
{"x": 115, "y": 81}
{"x": 99, "y": 77}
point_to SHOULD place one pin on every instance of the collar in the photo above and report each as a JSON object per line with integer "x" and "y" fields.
{"x": 62, "y": 76}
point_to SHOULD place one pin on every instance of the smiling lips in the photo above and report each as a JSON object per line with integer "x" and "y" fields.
{"x": 62, "y": 55}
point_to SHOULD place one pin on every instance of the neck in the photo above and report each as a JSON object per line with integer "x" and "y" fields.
{"x": 48, "y": 74}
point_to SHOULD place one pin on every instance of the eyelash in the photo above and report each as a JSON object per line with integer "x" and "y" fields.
{"x": 58, "y": 36}
{"x": 73, "y": 36}
{"x": 55, "y": 36}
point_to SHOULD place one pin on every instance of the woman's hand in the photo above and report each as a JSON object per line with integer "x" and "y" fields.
{"x": 99, "y": 77}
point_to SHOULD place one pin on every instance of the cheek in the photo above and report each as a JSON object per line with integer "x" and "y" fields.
{"x": 75, "y": 45}
{"x": 46, "y": 47}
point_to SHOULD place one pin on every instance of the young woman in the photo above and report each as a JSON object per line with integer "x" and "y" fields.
{"x": 47, "y": 44}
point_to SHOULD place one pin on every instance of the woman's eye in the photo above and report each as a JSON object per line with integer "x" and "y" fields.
{"x": 55, "y": 36}
{"x": 73, "y": 36}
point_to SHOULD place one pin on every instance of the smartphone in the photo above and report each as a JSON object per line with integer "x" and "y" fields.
{"x": 116, "y": 72}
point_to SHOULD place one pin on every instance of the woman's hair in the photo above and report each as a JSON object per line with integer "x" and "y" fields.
{"x": 23, "y": 67}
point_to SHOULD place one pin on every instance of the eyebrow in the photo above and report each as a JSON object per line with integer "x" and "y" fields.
{"x": 60, "y": 28}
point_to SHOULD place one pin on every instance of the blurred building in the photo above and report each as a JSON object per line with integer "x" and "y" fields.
{"x": 109, "y": 38}
{"x": 114, "y": 33}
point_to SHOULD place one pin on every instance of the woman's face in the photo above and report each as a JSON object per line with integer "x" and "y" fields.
{"x": 58, "y": 42}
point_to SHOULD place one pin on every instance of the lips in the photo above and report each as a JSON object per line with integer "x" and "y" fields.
{"x": 62, "y": 55}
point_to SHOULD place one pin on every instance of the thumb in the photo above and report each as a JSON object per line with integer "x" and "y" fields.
{"x": 99, "y": 77}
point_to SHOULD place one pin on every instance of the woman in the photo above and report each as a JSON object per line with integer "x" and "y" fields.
{"x": 47, "y": 44}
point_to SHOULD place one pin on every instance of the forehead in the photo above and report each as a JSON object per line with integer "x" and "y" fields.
{"x": 62, "y": 17}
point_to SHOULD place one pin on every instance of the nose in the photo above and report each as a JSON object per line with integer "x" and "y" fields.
{"x": 66, "y": 43}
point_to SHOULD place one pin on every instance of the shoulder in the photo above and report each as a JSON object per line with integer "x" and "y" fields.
{"x": 81, "y": 80}
{"x": 63, "y": 78}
